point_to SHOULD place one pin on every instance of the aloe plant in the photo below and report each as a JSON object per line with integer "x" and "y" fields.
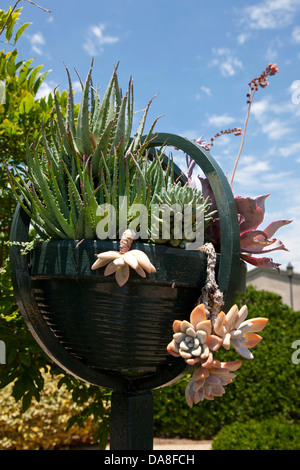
{"x": 91, "y": 160}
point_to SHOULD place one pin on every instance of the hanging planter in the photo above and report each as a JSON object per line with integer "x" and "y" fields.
{"x": 116, "y": 336}
{"x": 99, "y": 292}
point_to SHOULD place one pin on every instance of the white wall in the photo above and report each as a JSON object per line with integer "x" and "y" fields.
{"x": 279, "y": 283}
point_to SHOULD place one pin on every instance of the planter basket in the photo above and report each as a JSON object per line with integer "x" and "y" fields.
{"x": 111, "y": 336}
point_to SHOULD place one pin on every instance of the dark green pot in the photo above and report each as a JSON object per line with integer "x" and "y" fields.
{"x": 112, "y": 336}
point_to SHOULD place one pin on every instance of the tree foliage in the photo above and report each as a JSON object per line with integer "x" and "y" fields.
{"x": 22, "y": 114}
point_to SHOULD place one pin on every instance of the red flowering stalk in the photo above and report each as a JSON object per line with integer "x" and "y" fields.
{"x": 234, "y": 130}
{"x": 255, "y": 83}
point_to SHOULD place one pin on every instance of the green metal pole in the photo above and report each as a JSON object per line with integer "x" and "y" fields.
{"x": 131, "y": 426}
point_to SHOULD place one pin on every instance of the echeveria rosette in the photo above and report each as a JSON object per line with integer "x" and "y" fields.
{"x": 209, "y": 379}
{"x": 251, "y": 213}
{"x": 193, "y": 340}
{"x": 235, "y": 330}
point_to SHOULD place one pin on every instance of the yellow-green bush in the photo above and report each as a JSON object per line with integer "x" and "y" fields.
{"x": 43, "y": 425}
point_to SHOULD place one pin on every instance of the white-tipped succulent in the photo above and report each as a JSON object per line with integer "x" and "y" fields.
{"x": 118, "y": 263}
{"x": 238, "y": 332}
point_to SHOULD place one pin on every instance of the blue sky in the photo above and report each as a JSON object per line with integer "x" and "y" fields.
{"x": 199, "y": 57}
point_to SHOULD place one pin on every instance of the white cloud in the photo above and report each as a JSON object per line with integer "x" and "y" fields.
{"x": 269, "y": 115}
{"x": 243, "y": 37}
{"x": 96, "y": 39}
{"x": 76, "y": 85}
{"x": 259, "y": 108}
{"x": 288, "y": 150}
{"x": 45, "y": 89}
{"x": 220, "y": 120}
{"x": 206, "y": 91}
{"x": 37, "y": 41}
{"x": 226, "y": 61}
{"x": 271, "y": 14}
{"x": 275, "y": 129}
{"x": 296, "y": 34}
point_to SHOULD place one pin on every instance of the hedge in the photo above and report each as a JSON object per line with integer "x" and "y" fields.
{"x": 266, "y": 435}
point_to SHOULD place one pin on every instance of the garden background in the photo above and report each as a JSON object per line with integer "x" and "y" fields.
{"x": 38, "y": 401}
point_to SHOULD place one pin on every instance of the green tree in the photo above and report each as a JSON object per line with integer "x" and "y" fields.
{"x": 21, "y": 117}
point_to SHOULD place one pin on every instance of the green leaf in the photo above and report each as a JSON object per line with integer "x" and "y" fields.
{"x": 83, "y": 125}
{"x": 40, "y": 80}
{"x": 101, "y": 121}
{"x": 33, "y": 76}
{"x": 26, "y": 402}
{"x": 70, "y": 118}
{"x": 21, "y": 31}
{"x": 119, "y": 137}
{"x": 24, "y": 72}
{"x": 11, "y": 66}
{"x": 26, "y": 104}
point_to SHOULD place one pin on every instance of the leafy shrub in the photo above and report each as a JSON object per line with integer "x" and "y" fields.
{"x": 44, "y": 425}
{"x": 266, "y": 435}
{"x": 266, "y": 386}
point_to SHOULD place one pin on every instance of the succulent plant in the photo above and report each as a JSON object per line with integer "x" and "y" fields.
{"x": 251, "y": 213}
{"x": 180, "y": 203}
{"x": 209, "y": 329}
{"x": 118, "y": 263}
{"x": 235, "y": 330}
{"x": 196, "y": 340}
{"x": 193, "y": 340}
{"x": 209, "y": 379}
{"x": 91, "y": 162}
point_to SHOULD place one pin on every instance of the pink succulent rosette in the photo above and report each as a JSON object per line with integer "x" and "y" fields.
{"x": 209, "y": 379}
{"x": 193, "y": 340}
{"x": 235, "y": 330}
{"x": 196, "y": 340}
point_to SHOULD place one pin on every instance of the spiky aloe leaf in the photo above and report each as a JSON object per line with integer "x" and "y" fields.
{"x": 101, "y": 120}
{"x": 83, "y": 120}
{"x": 119, "y": 133}
{"x": 102, "y": 146}
{"x": 70, "y": 117}
{"x": 129, "y": 117}
{"x": 135, "y": 143}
